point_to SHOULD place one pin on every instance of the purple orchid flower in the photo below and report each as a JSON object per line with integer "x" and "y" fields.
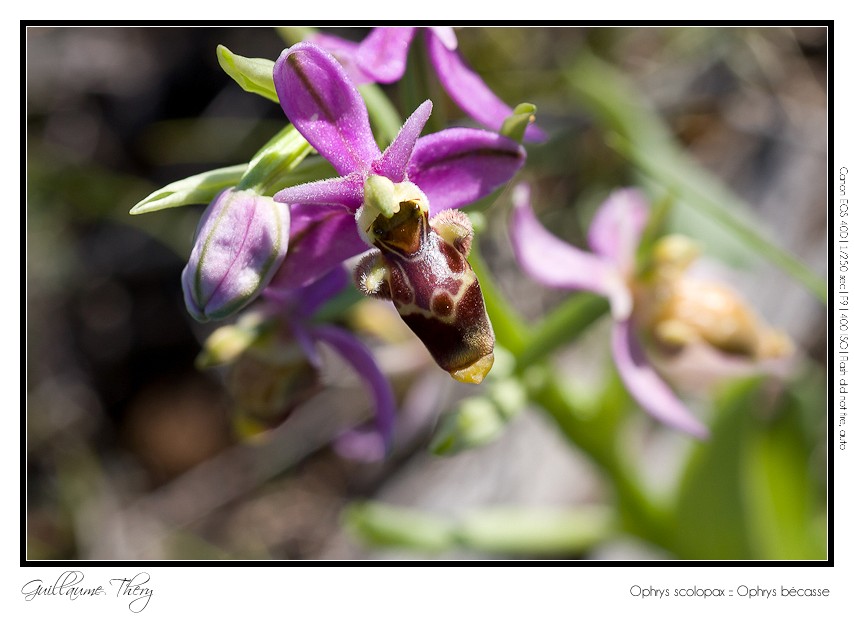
{"x": 609, "y": 270}
{"x": 295, "y": 308}
{"x": 381, "y": 57}
{"x": 392, "y": 192}
{"x": 452, "y": 168}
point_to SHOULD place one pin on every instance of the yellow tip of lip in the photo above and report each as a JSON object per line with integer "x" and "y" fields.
{"x": 476, "y": 371}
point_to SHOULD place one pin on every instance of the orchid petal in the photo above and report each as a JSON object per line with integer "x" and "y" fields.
{"x": 365, "y": 445}
{"x": 346, "y": 191}
{"x": 303, "y": 302}
{"x": 325, "y": 107}
{"x": 382, "y": 55}
{"x": 345, "y": 52}
{"x": 555, "y": 263}
{"x": 645, "y": 385}
{"x": 457, "y": 166}
{"x": 469, "y": 91}
{"x": 315, "y": 295}
{"x": 395, "y": 159}
{"x": 446, "y": 35}
{"x": 321, "y": 238}
{"x": 304, "y": 337}
{"x": 360, "y": 358}
{"x": 617, "y": 227}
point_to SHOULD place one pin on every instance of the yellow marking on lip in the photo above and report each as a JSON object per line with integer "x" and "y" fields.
{"x": 476, "y": 371}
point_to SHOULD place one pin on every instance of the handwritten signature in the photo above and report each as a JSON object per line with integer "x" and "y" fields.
{"x": 70, "y": 584}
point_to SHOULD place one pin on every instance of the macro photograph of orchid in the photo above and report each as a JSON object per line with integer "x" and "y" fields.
{"x": 420, "y": 293}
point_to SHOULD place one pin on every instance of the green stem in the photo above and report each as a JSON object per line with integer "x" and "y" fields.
{"x": 417, "y": 87}
{"x": 412, "y": 86}
{"x": 596, "y": 435}
{"x": 562, "y": 326}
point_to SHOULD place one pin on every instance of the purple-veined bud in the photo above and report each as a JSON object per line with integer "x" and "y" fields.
{"x": 240, "y": 242}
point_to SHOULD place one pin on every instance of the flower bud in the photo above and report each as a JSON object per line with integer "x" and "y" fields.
{"x": 240, "y": 243}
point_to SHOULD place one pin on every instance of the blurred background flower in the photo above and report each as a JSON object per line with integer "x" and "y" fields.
{"x": 131, "y": 451}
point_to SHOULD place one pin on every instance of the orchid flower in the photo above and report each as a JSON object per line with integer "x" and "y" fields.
{"x": 274, "y": 359}
{"x": 381, "y": 57}
{"x": 678, "y": 311}
{"x": 383, "y": 199}
{"x": 609, "y": 271}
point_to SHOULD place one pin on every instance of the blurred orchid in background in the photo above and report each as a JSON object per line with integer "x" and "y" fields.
{"x": 674, "y": 310}
{"x": 381, "y": 57}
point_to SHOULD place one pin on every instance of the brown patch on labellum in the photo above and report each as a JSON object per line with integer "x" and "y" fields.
{"x": 456, "y": 262}
{"x": 460, "y": 343}
{"x": 442, "y": 304}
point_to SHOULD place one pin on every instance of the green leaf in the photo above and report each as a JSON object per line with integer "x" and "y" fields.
{"x": 252, "y": 74}
{"x": 275, "y": 160}
{"x": 275, "y": 165}
{"x": 311, "y": 169}
{"x": 709, "y": 517}
{"x": 294, "y": 34}
{"x": 536, "y": 532}
{"x": 500, "y": 530}
{"x": 383, "y": 525}
{"x": 782, "y": 499}
{"x": 256, "y": 75}
{"x": 750, "y": 493}
{"x": 198, "y": 189}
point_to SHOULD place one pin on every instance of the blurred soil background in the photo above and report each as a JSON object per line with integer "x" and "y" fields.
{"x": 130, "y": 449}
